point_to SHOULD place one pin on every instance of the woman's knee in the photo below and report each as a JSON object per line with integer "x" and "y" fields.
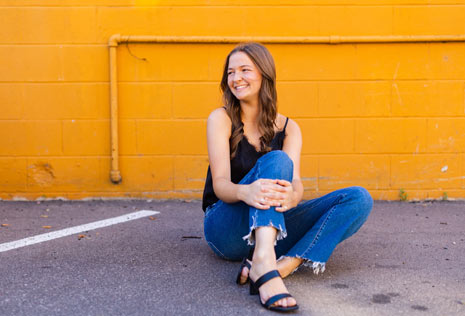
{"x": 225, "y": 243}
{"x": 362, "y": 198}
{"x": 278, "y": 164}
{"x": 278, "y": 156}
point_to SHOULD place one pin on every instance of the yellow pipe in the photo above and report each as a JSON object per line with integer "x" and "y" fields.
{"x": 333, "y": 39}
{"x": 116, "y": 39}
{"x": 115, "y": 174}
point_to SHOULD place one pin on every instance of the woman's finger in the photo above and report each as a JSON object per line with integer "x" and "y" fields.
{"x": 274, "y": 202}
{"x": 266, "y": 202}
{"x": 276, "y": 187}
{"x": 284, "y": 182}
{"x": 275, "y": 196}
{"x": 261, "y": 206}
{"x": 281, "y": 209}
{"x": 268, "y": 181}
{"x": 280, "y": 188}
{"x": 270, "y": 200}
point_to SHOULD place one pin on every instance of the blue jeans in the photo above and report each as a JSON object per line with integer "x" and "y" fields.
{"x": 309, "y": 231}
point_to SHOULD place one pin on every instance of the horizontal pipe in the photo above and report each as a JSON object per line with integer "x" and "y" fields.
{"x": 332, "y": 39}
{"x": 116, "y": 39}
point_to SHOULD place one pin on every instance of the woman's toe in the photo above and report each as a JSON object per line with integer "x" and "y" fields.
{"x": 281, "y": 303}
{"x": 291, "y": 301}
{"x": 244, "y": 275}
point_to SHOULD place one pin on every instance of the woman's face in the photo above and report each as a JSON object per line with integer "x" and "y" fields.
{"x": 244, "y": 79}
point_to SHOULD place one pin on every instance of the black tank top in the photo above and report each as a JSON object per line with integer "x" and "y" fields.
{"x": 241, "y": 164}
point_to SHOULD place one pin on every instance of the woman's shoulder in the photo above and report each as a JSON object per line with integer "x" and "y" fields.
{"x": 284, "y": 122}
{"x": 287, "y": 124}
{"x": 219, "y": 120}
{"x": 219, "y": 114}
{"x": 280, "y": 122}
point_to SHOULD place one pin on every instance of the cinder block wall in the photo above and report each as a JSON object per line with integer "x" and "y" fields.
{"x": 388, "y": 117}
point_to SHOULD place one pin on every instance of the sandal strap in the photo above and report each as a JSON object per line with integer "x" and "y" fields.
{"x": 276, "y": 298}
{"x": 266, "y": 277}
{"x": 246, "y": 262}
{"x": 250, "y": 255}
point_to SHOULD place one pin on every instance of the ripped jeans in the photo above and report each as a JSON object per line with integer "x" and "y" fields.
{"x": 309, "y": 231}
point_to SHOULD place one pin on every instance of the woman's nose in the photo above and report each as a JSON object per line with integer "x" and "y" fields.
{"x": 237, "y": 77}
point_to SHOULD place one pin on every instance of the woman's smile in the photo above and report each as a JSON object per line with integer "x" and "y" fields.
{"x": 241, "y": 87}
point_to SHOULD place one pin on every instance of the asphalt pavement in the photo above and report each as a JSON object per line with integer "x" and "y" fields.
{"x": 408, "y": 259}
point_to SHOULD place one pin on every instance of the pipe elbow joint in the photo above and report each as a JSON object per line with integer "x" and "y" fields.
{"x": 115, "y": 176}
{"x": 114, "y": 40}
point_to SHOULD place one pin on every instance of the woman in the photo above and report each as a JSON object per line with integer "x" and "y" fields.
{"x": 253, "y": 187}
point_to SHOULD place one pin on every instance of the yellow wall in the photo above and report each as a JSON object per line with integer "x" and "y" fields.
{"x": 383, "y": 116}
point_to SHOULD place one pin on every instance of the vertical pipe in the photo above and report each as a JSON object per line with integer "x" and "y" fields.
{"x": 115, "y": 174}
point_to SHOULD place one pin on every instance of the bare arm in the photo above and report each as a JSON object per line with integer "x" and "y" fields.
{"x": 293, "y": 147}
{"x": 218, "y": 133}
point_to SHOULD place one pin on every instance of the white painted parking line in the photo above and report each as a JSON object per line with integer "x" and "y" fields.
{"x": 74, "y": 230}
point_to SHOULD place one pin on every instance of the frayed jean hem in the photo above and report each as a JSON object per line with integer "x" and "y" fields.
{"x": 261, "y": 222}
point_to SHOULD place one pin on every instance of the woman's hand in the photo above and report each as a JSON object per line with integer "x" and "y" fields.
{"x": 264, "y": 193}
{"x": 287, "y": 191}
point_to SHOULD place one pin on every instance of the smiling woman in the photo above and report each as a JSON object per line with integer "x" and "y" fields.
{"x": 253, "y": 188}
{"x": 243, "y": 79}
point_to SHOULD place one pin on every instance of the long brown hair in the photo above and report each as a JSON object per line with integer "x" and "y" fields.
{"x": 267, "y": 97}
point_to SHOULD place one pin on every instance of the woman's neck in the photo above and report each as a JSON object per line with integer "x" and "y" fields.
{"x": 249, "y": 112}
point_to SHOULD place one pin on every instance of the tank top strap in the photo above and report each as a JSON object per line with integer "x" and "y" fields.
{"x": 284, "y": 129}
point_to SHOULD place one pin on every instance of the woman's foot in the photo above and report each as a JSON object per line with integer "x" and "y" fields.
{"x": 262, "y": 265}
{"x": 285, "y": 267}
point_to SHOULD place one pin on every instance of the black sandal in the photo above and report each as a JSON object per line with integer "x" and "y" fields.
{"x": 254, "y": 286}
{"x": 244, "y": 264}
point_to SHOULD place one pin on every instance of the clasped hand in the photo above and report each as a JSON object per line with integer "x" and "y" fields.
{"x": 265, "y": 193}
